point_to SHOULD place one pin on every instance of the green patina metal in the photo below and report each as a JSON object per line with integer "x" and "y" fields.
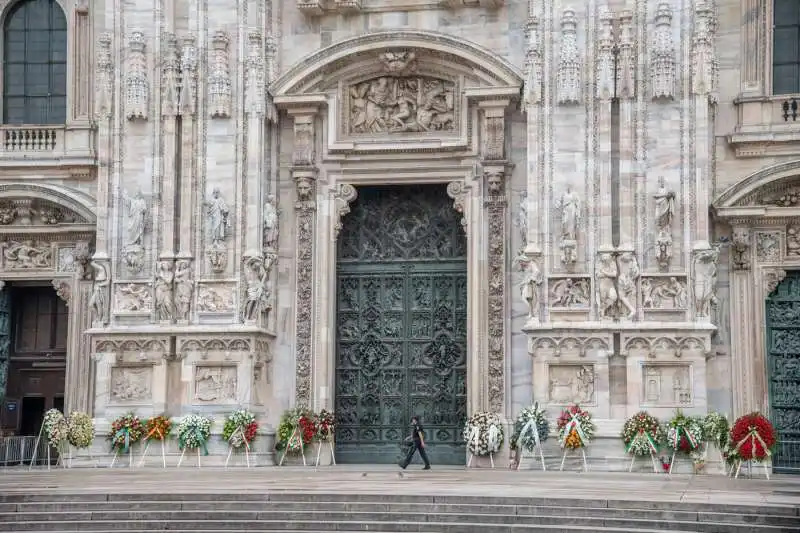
{"x": 783, "y": 370}
{"x": 401, "y": 324}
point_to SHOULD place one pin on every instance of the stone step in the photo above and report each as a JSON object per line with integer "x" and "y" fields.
{"x": 377, "y": 522}
{"x": 371, "y": 512}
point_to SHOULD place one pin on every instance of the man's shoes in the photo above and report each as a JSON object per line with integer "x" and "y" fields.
{"x": 427, "y": 467}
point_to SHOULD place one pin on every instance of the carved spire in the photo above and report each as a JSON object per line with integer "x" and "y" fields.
{"x": 169, "y": 76}
{"x": 662, "y": 55}
{"x": 532, "y": 93}
{"x": 137, "y": 85}
{"x": 188, "y": 94}
{"x": 569, "y": 63}
{"x": 605, "y": 56}
{"x": 219, "y": 78}
{"x": 704, "y": 59}
{"x": 104, "y": 76}
{"x": 626, "y": 65}
{"x": 270, "y": 49}
{"x": 254, "y": 88}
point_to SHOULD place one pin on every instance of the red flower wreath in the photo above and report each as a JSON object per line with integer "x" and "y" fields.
{"x": 307, "y": 428}
{"x": 752, "y": 437}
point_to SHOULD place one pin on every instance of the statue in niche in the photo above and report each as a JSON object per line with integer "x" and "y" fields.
{"x": 133, "y": 250}
{"x": 98, "y": 301}
{"x": 626, "y": 282}
{"x": 162, "y": 289}
{"x": 522, "y": 219}
{"x": 705, "y": 280}
{"x": 183, "y": 289}
{"x": 664, "y": 213}
{"x": 259, "y": 286}
{"x": 570, "y": 206}
{"x": 532, "y": 278}
{"x": 270, "y": 237}
{"x": 607, "y": 296}
{"x": 218, "y": 219}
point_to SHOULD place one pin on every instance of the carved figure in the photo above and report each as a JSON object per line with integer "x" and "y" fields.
{"x": 570, "y": 206}
{"x": 162, "y": 287}
{"x": 606, "y": 278}
{"x": 7, "y": 214}
{"x": 397, "y": 62}
{"x": 215, "y": 300}
{"x": 305, "y": 189}
{"x": 133, "y": 297}
{"x": 705, "y": 281}
{"x": 494, "y": 183}
{"x": 218, "y": 212}
{"x": 131, "y": 384}
{"x": 27, "y": 255}
{"x": 522, "y": 219}
{"x": 532, "y": 278}
{"x": 792, "y": 241}
{"x": 659, "y": 293}
{"x": 569, "y": 293}
{"x": 259, "y": 287}
{"x": 183, "y": 289}
{"x": 215, "y": 383}
{"x": 271, "y": 220}
{"x": 137, "y": 211}
{"x": 626, "y": 282}
{"x": 740, "y": 248}
{"x": 664, "y": 214}
{"x": 98, "y": 301}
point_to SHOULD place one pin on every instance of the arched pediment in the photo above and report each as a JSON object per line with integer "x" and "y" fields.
{"x": 26, "y": 204}
{"x": 774, "y": 186}
{"x": 360, "y": 58}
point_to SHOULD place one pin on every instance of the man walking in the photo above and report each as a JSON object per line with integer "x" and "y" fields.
{"x": 418, "y": 444}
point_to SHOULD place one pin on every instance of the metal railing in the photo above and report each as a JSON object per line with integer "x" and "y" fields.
{"x": 786, "y": 459}
{"x": 789, "y": 110}
{"x": 16, "y": 451}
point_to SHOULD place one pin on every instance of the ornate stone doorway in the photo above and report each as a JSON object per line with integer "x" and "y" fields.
{"x": 783, "y": 370}
{"x": 401, "y": 324}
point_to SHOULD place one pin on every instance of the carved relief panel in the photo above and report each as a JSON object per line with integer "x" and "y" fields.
{"x": 131, "y": 385}
{"x": 667, "y": 385}
{"x": 571, "y": 383}
{"x": 214, "y": 384}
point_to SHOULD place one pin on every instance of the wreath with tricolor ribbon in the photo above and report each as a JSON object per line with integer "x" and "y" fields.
{"x": 575, "y": 427}
{"x": 685, "y": 434}
{"x": 642, "y": 434}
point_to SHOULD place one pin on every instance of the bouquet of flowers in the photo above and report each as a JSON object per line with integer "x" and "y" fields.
{"x": 685, "y": 434}
{"x": 290, "y": 420}
{"x": 80, "y": 429}
{"x": 575, "y": 427}
{"x": 158, "y": 428}
{"x": 642, "y": 434}
{"x": 484, "y": 434}
{"x": 240, "y": 428}
{"x": 753, "y": 438}
{"x": 716, "y": 430}
{"x": 530, "y": 424}
{"x": 125, "y": 431}
{"x": 326, "y": 425}
{"x": 56, "y": 429}
{"x": 194, "y": 432}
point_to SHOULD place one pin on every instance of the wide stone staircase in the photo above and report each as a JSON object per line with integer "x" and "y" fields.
{"x": 324, "y": 512}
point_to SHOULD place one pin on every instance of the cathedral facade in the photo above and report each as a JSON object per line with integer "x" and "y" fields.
{"x": 395, "y": 208}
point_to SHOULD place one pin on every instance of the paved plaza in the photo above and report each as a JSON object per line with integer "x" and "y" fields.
{"x": 499, "y": 483}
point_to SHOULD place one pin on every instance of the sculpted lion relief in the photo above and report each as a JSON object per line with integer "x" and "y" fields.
{"x": 402, "y": 104}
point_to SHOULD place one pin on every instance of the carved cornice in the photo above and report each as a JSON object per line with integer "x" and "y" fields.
{"x": 345, "y": 194}
{"x": 567, "y": 343}
{"x": 315, "y": 8}
{"x": 674, "y": 345}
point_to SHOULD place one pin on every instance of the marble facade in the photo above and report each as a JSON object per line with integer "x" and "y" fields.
{"x": 212, "y": 150}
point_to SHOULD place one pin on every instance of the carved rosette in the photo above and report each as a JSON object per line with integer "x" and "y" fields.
{"x": 305, "y": 211}
{"x": 137, "y": 85}
{"x": 771, "y": 278}
{"x": 496, "y": 211}
{"x": 344, "y": 196}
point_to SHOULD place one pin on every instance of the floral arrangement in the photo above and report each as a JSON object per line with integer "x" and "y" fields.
{"x": 642, "y": 434}
{"x": 716, "y": 430}
{"x": 326, "y": 425}
{"x": 240, "y": 428}
{"x": 530, "y": 424}
{"x": 194, "y": 432}
{"x": 80, "y": 429}
{"x": 753, "y": 438}
{"x": 125, "y": 431}
{"x": 158, "y": 428}
{"x": 575, "y": 427}
{"x": 685, "y": 434}
{"x": 308, "y": 430}
{"x": 290, "y": 420}
{"x": 484, "y": 434}
{"x": 55, "y": 427}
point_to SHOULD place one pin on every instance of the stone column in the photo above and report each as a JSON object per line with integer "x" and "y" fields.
{"x": 170, "y": 80}
{"x": 188, "y": 139}
{"x": 103, "y": 112}
{"x": 605, "y": 77}
{"x": 78, "y": 379}
{"x": 745, "y": 330}
{"x": 304, "y": 175}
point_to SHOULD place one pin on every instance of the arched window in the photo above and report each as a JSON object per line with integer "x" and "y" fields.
{"x": 786, "y": 47}
{"x": 35, "y": 63}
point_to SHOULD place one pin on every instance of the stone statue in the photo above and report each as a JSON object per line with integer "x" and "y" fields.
{"x": 626, "y": 282}
{"x": 664, "y": 294}
{"x": 705, "y": 280}
{"x": 664, "y": 213}
{"x": 98, "y": 301}
{"x": 259, "y": 287}
{"x": 522, "y": 219}
{"x": 183, "y": 289}
{"x": 532, "y": 278}
{"x": 305, "y": 189}
{"x": 137, "y": 211}
{"x": 570, "y": 206}
{"x": 270, "y": 223}
{"x": 162, "y": 289}
{"x": 607, "y": 296}
{"x": 218, "y": 221}
{"x": 740, "y": 248}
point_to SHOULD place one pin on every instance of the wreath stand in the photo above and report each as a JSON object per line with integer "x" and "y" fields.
{"x": 537, "y": 445}
{"x": 295, "y": 435}
{"x": 58, "y": 448}
{"x": 319, "y": 452}
{"x": 240, "y": 431}
{"x": 564, "y": 458}
{"x": 574, "y": 425}
{"x": 652, "y": 454}
{"x": 474, "y": 437}
{"x": 753, "y": 435}
{"x": 163, "y": 452}
{"x": 183, "y": 454}
{"x": 117, "y": 454}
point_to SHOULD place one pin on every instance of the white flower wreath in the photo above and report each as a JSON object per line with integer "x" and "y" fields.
{"x": 194, "y": 432}
{"x": 80, "y": 429}
{"x": 484, "y": 434}
{"x": 531, "y": 422}
{"x": 55, "y": 427}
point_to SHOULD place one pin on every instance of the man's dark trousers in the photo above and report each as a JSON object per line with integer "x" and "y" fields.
{"x": 410, "y": 455}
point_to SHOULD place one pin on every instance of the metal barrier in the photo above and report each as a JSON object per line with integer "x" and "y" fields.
{"x": 786, "y": 459}
{"x": 17, "y": 450}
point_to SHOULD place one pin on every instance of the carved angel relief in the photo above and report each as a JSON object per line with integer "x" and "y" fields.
{"x": 402, "y": 104}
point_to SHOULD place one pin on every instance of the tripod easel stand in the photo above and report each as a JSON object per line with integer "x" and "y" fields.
{"x": 163, "y": 451}
{"x": 319, "y": 452}
{"x": 652, "y": 453}
{"x": 474, "y": 437}
{"x": 292, "y": 438}
{"x": 183, "y": 453}
{"x": 240, "y": 432}
{"x": 59, "y": 447}
{"x": 531, "y": 425}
